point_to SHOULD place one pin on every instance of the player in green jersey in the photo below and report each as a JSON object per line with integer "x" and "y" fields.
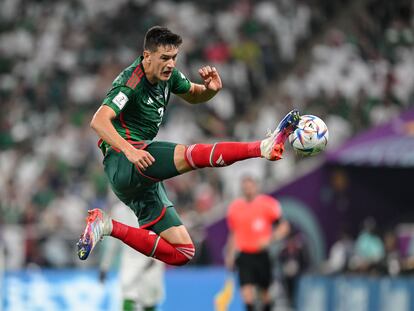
{"x": 135, "y": 165}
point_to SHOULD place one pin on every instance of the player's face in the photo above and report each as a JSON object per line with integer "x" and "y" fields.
{"x": 249, "y": 188}
{"x": 163, "y": 61}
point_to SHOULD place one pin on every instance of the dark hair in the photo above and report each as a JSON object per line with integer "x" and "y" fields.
{"x": 248, "y": 177}
{"x": 160, "y": 36}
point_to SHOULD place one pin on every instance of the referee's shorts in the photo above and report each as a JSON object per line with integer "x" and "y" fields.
{"x": 254, "y": 268}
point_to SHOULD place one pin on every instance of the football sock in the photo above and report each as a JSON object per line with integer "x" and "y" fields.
{"x": 128, "y": 305}
{"x": 220, "y": 154}
{"x": 152, "y": 245}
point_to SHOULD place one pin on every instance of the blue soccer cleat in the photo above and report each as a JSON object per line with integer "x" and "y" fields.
{"x": 98, "y": 224}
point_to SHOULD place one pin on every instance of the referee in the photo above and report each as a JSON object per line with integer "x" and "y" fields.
{"x": 254, "y": 221}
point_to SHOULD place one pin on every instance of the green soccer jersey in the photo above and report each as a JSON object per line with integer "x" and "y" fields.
{"x": 140, "y": 105}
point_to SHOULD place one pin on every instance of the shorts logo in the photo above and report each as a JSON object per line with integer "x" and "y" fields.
{"x": 120, "y": 100}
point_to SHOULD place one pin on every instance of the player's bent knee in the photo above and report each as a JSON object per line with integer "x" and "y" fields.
{"x": 184, "y": 253}
{"x": 179, "y": 261}
{"x": 180, "y": 159}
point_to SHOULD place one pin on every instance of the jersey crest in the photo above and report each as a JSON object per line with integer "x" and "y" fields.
{"x": 120, "y": 100}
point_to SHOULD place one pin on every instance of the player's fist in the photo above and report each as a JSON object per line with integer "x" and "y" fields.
{"x": 140, "y": 158}
{"x": 211, "y": 78}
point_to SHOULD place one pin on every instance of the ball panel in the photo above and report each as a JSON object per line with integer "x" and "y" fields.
{"x": 311, "y": 136}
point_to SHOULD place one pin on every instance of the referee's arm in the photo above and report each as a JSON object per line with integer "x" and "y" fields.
{"x": 281, "y": 230}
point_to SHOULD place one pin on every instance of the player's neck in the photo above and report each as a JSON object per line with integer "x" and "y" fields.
{"x": 250, "y": 198}
{"x": 150, "y": 73}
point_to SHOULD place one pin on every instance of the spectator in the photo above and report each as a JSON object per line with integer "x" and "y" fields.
{"x": 369, "y": 249}
{"x": 293, "y": 263}
{"x": 142, "y": 278}
{"x": 392, "y": 258}
{"x": 339, "y": 255}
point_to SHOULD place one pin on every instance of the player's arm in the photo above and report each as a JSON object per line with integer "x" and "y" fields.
{"x": 102, "y": 124}
{"x": 281, "y": 230}
{"x": 199, "y": 93}
{"x": 230, "y": 251}
{"x": 281, "y": 227}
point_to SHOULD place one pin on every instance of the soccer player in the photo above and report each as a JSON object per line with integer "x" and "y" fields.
{"x": 135, "y": 165}
{"x": 254, "y": 222}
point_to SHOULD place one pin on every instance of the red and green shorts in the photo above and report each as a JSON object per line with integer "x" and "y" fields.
{"x": 143, "y": 191}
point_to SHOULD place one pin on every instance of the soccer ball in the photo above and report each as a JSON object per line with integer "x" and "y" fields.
{"x": 310, "y": 137}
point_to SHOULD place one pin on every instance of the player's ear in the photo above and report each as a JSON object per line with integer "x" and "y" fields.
{"x": 147, "y": 56}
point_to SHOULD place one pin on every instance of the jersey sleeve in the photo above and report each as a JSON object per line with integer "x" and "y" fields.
{"x": 179, "y": 82}
{"x": 118, "y": 98}
{"x": 274, "y": 209}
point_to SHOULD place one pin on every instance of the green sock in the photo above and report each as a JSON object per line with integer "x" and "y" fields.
{"x": 129, "y": 305}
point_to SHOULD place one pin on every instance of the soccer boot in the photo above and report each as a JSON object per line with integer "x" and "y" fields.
{"x": 98, "y": 224}
{"x": 273, "y": 145}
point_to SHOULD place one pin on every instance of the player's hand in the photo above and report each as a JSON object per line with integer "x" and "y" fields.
{"x": 264, "y": 244}
{"x": 140, "y": 158}
{"x": 211, "y": 78}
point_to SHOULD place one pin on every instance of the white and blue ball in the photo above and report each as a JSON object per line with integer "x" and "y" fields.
{"x": 310, "y": 137}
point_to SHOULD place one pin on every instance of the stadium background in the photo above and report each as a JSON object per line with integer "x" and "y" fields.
{"x": 349, "y": 62}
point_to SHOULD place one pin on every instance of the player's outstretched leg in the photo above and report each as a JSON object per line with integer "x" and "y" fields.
{"x": 227, "y": 153}
{"x": 173, "y": 159}
{"x": 98, "y": 225}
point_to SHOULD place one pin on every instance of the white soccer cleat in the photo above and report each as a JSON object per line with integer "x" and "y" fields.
{"x": 98, "y": 224}
{"x": 273, "y": 146}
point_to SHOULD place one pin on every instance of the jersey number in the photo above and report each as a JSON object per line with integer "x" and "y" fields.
{"x": 161, "y": 112}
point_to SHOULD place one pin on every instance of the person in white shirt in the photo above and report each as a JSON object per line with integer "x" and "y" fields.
{"x": 142, "y": 277}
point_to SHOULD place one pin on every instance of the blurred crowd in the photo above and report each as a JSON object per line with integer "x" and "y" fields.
{"x": 58, "y": 59}
{"x": 373, "y": 251}
{"x": 360, "y": 75}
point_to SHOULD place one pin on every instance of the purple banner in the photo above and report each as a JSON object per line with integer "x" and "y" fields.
{"x": 389, "y": 145}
